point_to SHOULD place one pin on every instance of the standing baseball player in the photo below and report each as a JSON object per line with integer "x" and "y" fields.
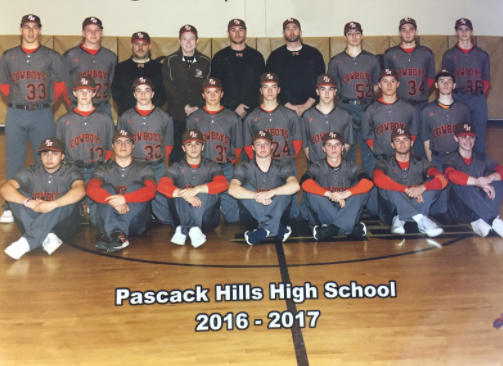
{"x": 405, "y": 193}
{"x": 152, "y": 131}
{"x": 193, "y": 186}
{"x": 297, "y": 65}
{"x": 336, "y": 190}
{"x": 357, "y": 75}
{"x": 223, "y": 138}
{"x": 139, "y": 65}
{"x": 87, "y": 135}
{"x": 415, "y": 65}
{"x": 476, "y": 189}
{"x": 43, "y": 198}
{"x": 281, "y": 122}
{"x": 91, "y": 59}
{"x": 264, "y": 187}
{"x": 122, "y": 189}
{"x": 470, "y": 65}
{"x": 27, "y": 74}
{"x": 183, "y": 73}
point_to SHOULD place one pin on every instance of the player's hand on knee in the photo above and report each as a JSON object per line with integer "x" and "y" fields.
{"x": 33, "y": 204}
{"x": 188, "y": 193}
{"x": 194, "y": 201}
{"x": 483, "y": 181}
{"x": 341, "y": 203}
{"x": 122, "y": 209}
{"x": 116, "y": 200}
{"x": 420, "y": 198}
{"x": 489, "y": 189}
{"x": 45, "y": 207}
{"x": 415, "y": 191}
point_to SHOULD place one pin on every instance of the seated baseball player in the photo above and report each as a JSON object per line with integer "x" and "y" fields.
{"x": 87, "y": 135}
{"x": 336, "y": 191}
{"x": 43, "y": 199}
{"x": 223, "y": 138}
{"x": 476, "y": 189}
{"x": 152, "y": 129}
{"x": 193, "y": 186}
{"x": 122, "y": 189}
{"x": 405, "y": 193}
{"x": 264, "y": 187}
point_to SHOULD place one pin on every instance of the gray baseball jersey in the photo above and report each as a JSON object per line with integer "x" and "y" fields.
{"x": 317, "y": 124}
{"x": 438, "y": 124}
{"x": 222, "y": 133}
{"x": 470, "y": 69}
{"x": 121, "y": 177}
{"x": 185, "y": 176}
{"x": 338, "y": 179}
{"x": 282, "y": 123}
{"x": 47, "y": 186}
{"x": 78, "y": 62}
{"x": 30, "y": 76}
{"x": 414, "y": 69}
{"x": 86, "y": 138}
{"x": 480, "y": 166}
{"x": 276, "y": 176}
{"x": 151, "y": 132}
{"x": 379, "y": 120}
{"x": 356, "y": 76}
{"x": 416, "y": 174}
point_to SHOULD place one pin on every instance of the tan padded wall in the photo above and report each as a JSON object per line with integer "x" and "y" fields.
{"x": 494, "y": 47}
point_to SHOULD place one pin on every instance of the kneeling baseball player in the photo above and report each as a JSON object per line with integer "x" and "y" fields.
{"x": 43, "y": 199}
{"x": 264, "y": 187}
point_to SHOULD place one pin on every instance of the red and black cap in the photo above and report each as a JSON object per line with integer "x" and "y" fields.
{"x": 445, "y": 73}
{"x": 463, "y": 21}
{"x": 401, "y": 131}
{"x": 187, "y": 28}
{"x": 212, "y": 83}
{"x": 52, "y": 144}
{"x": 31, "y": 18}
{"x": 84, "y": 82}
{"x": 290, "y": 21}
{"x": 326, "y": 80}
{"x": 262, "y": 135}
{"x": 140, "y": 36}
{"x": 92, "y": 20}
{"x": 192, "y": 135}
{"x": 269, "y": 77}
{"x": 142, "y": 81}
{"x": 123, "y": 133}
{"x": 407, "y": 21}
{"x": 236, "y": 23}
{"x": 388, "y": 72}
{"x": 332, "y": 136}
{"x": 465, "y": 129}
{"x": 352, "y": 26}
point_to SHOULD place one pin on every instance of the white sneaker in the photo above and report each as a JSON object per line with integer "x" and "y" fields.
{"x": 51, "y": 243}
{"x": 17, "y": 249}
{"x": 7, "y": 217}
{"x": 397, "y": 227}
{"x": 197, "y": 237}
{"x": 480, "y": 227}
{"x": 498, "y": 226}
{"x": 178, "y": 238}
{"x": 428, "y": 227}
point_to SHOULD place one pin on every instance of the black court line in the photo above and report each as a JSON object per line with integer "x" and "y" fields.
{"x": 298, "y": 339}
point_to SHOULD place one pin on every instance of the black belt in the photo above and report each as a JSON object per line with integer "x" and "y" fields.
{"x": 154, "y": 162}
{"x": 413, "y": 102}
{"x": 30, "y": 107}
{"x": 440, "y": 153}
{"x": 356, "y": 101}
{"x": 80, "y": 164}
{"x": 468, "y": 93}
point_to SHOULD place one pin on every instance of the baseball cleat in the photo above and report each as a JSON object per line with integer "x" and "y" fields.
{"x": 325, "y": 231}
{"x": 51, "y": 243}
{"x": 17, "y": 249}
{"x": 284, "y": 232}
{"x": 178, "y": 238}
{"x": 103, "y": 242}
{"x": 7, "y": 217}
{"x": 359, "y": 230}
{"x": 498, "y": 226}
{"x": 428, "y": 227}
{"x": 481, "y": 228}
{"x": 397, "y": 227}
{"x": 197, "y": 238}
{"x": 256, "y": 236}
{"x": 119, "y": 241}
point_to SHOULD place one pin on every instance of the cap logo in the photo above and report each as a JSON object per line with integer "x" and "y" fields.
{"x": 462, "y": 21}
{"x": 193, "y": 134}
{"x": 261, "y": 133}
{"x": 142, "y": 80}
{"x": 48, "y": 143}
{"x": 31, "y": 17}
{"x": 123, "y": 132}
{"x": 236, "y": 21}
{"x": 188, "y": 27}
{"x": 212, "y": 81}
{"x": 140, "y": 35}
{"x": 94, "y": 20}
{"x": 326, "y": 79}
{"x": 467, "y": 127}
{"x": 406, "y": 19}
{"x": 269, "y": 76}
{"x": 388, "y": 71}
{"x": 332, "y": 134}
{"x": 290, "y": 19}
{"x": 84, "y": 81}
{"x": 352, "y": 24}
{"x": 401, "y": 131}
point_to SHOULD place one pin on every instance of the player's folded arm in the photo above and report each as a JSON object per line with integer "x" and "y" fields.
{"x": 74, "y": 195}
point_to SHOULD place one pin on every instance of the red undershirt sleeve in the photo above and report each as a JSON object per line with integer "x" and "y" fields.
{"x": 311, "y": 186}
{"x": 297, "y": 145}
{"x": 166, "y": 186}
{"x": 457, "y": 177}
{"x": 95, "y": 192}
{"x": 431, "y": 82}
{"x": 144, "y": 194}
{"x": 363, "y": 186}
{"x": 437, "y": 183}
{"x": 487, "y": 84}
{"x": 217, "y": 185}
{"x": 109, "y": 154}
{"x": 249, "y": 152}
{"x": 499, "y": 170}
{"x": 237, "y": 151}
{"x": 168, "y": 150}
{"x": 370, "y": 142}
{"x": 414, "y": 138}
{"x": 383, "y": 181}
{"x": 5, "y": 88}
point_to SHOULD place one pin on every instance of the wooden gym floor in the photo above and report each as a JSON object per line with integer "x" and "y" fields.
{"x": 61, "y": 309}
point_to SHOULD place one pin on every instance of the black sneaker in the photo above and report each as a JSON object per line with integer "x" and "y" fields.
{"x": 360, "y": 230}
{"x": 104, "y": 242}
{"x": 325, "y": 232}
{"x": 119, "y": 242}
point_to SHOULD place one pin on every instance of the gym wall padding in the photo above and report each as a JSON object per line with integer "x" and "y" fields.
{"x": 328, "y": 46}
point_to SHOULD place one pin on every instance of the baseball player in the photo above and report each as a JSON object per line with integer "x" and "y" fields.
{"x": 415, "y": 65}
{"x": 470, "y": 65}
{"x": 476, "y": 189}
{"x": 264, "y": 187}
{"x": 43, "y": 198}
{"x": 357, "y": 74}
{"x": 193, "y": 186}
{"x": 183, "y": 74}
{"x": 152, "y": 131}
{"x": 27, "y": 74}
{"x": 405, "y": 193}
{"x": 325, "y": 117}
{"x": 281, "y": 122}
{"x": 297, "y": 65}
{"x": 336, "y": 190}
{"x": 223, "y": 138}
{"x": 87, "y": 135}
{"x": 139, "y": 65}
{"x": 91, "y": 59}
{"x": 122, "y": 189}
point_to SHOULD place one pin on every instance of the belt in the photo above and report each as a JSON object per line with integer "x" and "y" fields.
{"x": 80, "y": 164}
{"x": 440, "y": 153}
{"x": 413, "y": 102}
{"x": 154, "y": 162}
{"x": 468, "y": 93}
{"x": 356, "y": 101}
{"x": 30, "y": 107}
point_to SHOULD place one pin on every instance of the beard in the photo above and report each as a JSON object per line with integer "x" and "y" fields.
{"x": 292, "y": 39}
{"x": 238, "y": 40}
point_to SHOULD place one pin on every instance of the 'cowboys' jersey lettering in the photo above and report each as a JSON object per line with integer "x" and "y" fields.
{"x": 276, "y": 176}
{"x": 470, "y": 69}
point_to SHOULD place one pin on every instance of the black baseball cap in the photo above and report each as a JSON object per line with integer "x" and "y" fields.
{"x": 388, "y": 72}
{"x": 332, "y": 136}
{"x": 142, "y": 81}
{"x": 123, "y": 133}
{"x": 353, "y": 26}
{"x": 445, "y": 73}
{"x": 465, "y": 129}
{"x": 262, "y": 135}
{"x": 52, "y": 144}
{"x": 463, "y": 21}
{"x": 401, "y": 131}
{"x": 212, "y": 83}
{"x": 84, "y": 82}
{"x": 407, "y": 21}
{"x": 92, "y": 20}
{"x": 192, "y": 135}
{"x": 187, "y": 28}
{"x": 31, "y": 18}
{"x": 140, "y": 36}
